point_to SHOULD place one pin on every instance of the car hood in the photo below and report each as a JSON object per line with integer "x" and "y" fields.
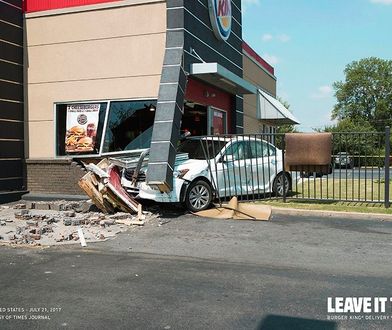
{"x": 181, "y": 163}
{"x": 195, "y": 167}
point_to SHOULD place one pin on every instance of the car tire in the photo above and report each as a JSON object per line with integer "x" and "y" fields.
{"x": 278, "y": 184}
{"x": 198, "y": 196}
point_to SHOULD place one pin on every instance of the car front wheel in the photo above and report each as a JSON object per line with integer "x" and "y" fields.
{"x": 198, "y": 196}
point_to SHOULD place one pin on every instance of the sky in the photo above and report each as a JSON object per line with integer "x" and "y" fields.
{"x": 310, "y": 42}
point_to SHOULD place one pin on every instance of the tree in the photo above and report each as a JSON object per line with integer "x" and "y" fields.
{"x": 366, "y": 93}
{"x": 347, "y": 125}
{"x": 360, "y": 139}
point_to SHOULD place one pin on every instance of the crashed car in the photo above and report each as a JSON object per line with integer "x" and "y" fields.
{"x": 212, "y": 167}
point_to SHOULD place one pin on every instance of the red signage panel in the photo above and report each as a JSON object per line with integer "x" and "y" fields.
{"x": 258, "y": 58}
{"x": 41, "y": 5}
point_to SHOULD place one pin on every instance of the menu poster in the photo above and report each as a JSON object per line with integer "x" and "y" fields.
{"x": 82, "y": 123}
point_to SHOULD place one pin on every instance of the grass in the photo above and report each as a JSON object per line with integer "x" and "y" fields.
{"x": 331, "y": 206}
{"x": 344, "y": 189}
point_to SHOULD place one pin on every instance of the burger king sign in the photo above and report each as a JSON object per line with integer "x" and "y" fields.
{"x": 220, "y": 15}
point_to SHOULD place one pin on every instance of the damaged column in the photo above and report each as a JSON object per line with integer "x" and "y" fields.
{"x": 170, "y": 103}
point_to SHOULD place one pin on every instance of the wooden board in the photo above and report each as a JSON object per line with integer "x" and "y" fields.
{"x": 86, "y": 183}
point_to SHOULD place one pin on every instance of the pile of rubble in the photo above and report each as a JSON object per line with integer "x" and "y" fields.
{"x": 62, "y": 222}
{"x": 102, "y": 184}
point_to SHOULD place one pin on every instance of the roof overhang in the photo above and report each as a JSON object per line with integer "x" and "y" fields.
{"x": 217, "y": 75}
{"x": 272, "y": 110}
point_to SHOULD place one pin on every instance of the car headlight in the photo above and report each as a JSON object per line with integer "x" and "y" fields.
{"x": 180, "y": 173}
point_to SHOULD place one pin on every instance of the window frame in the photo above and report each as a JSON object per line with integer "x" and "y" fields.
{"x": 107, "y": 110}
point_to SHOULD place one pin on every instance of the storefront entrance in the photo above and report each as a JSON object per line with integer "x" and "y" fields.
{"x": 194, "y": 119}
{"x": 202, "y": 120}
{"x": 207, "y": 110}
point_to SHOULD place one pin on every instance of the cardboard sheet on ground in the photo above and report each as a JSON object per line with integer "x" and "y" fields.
{"x": 238, "y": 211}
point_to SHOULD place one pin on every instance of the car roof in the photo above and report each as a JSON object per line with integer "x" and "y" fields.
{"x": 226, "y": 138}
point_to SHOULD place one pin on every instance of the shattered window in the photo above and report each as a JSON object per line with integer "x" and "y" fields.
{"x": 129, "y": 125}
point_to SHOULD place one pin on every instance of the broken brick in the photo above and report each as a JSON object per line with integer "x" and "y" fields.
{"x": 30, "y": 205}
{"x": 42, "y": 206}
{"x": 19, "y": 206}
{"x": 32, "y": 223}
{"x": 75, "y": 222}
{"x": 57, "y": 207}
{"x": 35, "y": 237}
{"x": 67, "y": 222}
{"x": 70, "y": 214}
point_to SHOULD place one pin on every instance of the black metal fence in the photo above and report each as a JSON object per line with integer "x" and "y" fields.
{"x": 251, "y": 166}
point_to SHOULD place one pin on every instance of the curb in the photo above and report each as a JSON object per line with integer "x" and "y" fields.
{"x": 331, "y": 214}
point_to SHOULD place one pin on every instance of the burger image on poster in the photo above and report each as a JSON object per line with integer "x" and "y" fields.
{"x": 82, "y": 122}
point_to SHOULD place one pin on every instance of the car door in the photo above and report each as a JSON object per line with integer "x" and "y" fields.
{"x": 264, "y": 165}
{"x": 232, "y": 177}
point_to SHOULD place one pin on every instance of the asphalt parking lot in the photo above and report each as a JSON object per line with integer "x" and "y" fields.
{"x": 185, "y": 272}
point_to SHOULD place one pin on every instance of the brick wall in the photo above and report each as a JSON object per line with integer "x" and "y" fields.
{"x": 50, "y": 176}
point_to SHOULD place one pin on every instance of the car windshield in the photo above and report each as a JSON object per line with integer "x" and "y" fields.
{"x": 201, "y": 149}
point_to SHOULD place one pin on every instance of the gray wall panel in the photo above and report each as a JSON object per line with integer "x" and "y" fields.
{"x": 11, "y": 110}
{"x": 11, "y": 88}
{"x": 11, "y": 91}
{"x": 11, "y": 33}
{"x": 10, "y": 14}
{"x": 11, "y": 169}
{"x": 11, "y": 72}
{"x": 11, "y": 130}
{"x": 10, "y": 52}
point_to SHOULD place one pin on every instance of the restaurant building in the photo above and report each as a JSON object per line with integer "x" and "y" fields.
{"x": 98, "y": 78}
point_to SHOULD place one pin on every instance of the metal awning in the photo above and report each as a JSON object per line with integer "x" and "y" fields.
{"x": 272, "y": 110}
{"x": 217, "y": 75}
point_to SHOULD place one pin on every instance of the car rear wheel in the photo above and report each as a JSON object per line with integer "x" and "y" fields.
{"x": 198, "y": 196}
{"x": 281, "y": 183}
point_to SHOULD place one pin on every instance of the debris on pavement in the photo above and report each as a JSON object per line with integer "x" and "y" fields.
{"x": 238, "y": 211}
{"x": 103, "y": 185}
{"x": 81, "y": 236}
{"x": 62, "y": 222}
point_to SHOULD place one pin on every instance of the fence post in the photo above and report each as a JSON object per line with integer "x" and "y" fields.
{"x": 284, "y": 168}
{"x": 387, "y": 154}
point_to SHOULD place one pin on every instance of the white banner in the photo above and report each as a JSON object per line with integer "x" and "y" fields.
{"x": 82, "y": 123}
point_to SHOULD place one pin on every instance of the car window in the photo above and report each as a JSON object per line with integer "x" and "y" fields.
{"x": 261, "y": 149}
{"x": 201, "y": 149}
{"x": 239, "y": 150}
